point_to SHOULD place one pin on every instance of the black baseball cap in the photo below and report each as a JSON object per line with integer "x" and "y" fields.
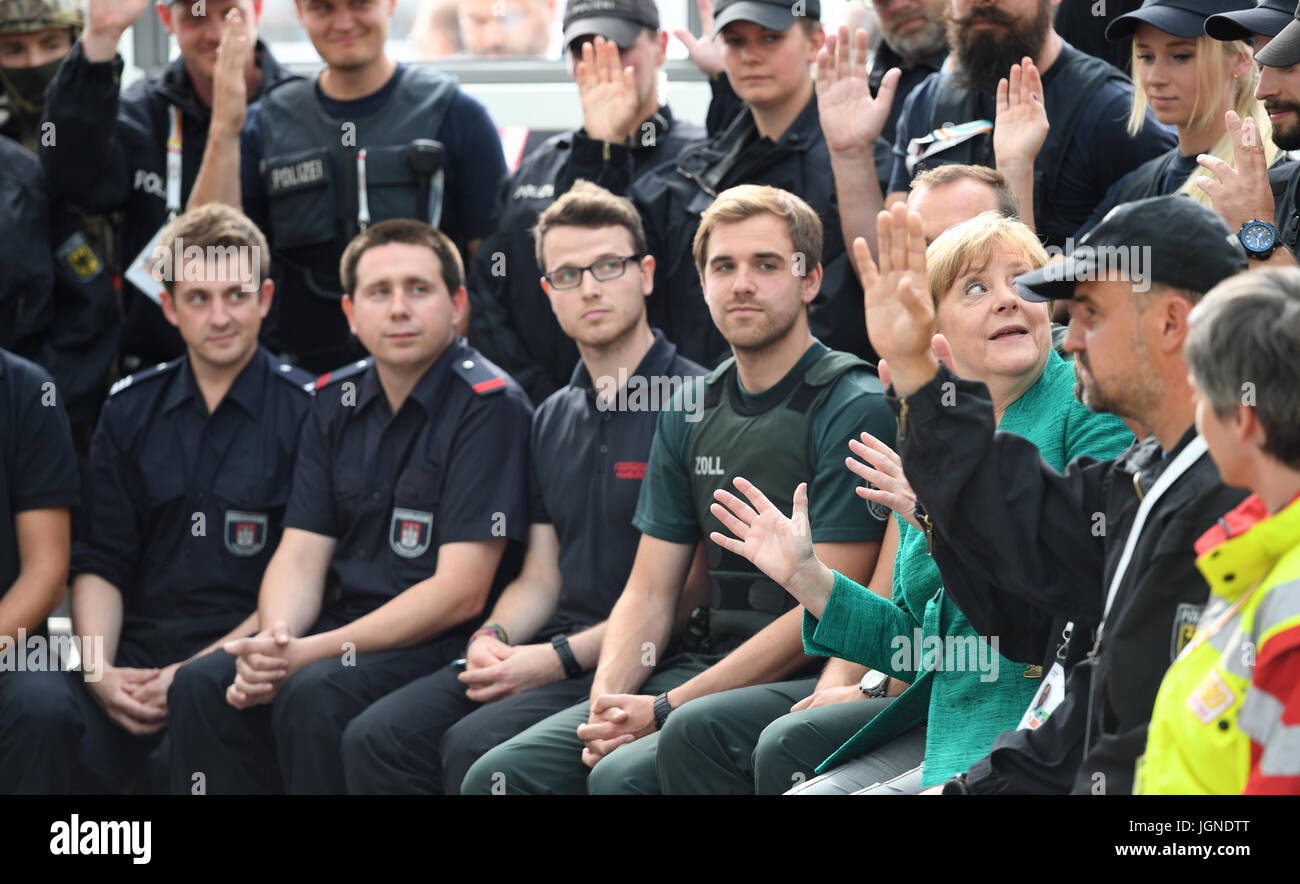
{"x": 1284, "y": 49}
{"x": 1172, "y": 240}
{"x": 775, "y": 15}
{"x": 1182, "y": 18}
{"x": 1268, "y": 18}
{"x": 619, "y": 20}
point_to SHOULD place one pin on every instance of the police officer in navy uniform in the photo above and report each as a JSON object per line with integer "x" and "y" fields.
{"x": 109, "y": 151}
{"x": 625, "y": 132}
{"x": 410, "y": 485}
{"x": 320, "y": 160}
{"x": 186, "y": 489}
{"x": 72, "y": 318}
{"x": 38, "y": 488}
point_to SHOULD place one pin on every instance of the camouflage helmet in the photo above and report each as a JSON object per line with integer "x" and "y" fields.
{"x": 24, "y": 16}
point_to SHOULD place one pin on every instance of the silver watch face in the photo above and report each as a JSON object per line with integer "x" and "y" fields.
{"x": 873, "y": 682}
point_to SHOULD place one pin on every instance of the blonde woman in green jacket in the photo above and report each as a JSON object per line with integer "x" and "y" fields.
{"x": 962, "y": 691}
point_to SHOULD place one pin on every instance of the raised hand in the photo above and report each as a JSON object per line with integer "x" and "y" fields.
{"x": 877, "y": 463}
{"x": 106, "y": 21}
{"x": 899, "y": 311}
{"x": 607, "y": 90}
{"x": 229, "y": 90}
{"x": 703, "y": 50}
{"x": 1240, "y": 192}
{"x": 1021, "y": 126}
{"x": 851, "y": 119}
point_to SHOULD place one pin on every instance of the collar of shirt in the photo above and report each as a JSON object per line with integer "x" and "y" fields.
{"x": 364, "y": 106}
{"x": 1149, "y": 460}
{"x": 246, "y": 391}
{"x": 782, "y": 388}
{"x": 887, "y": 58}
{"x": 654, "y": 363}
{"x": 428, "y": 390}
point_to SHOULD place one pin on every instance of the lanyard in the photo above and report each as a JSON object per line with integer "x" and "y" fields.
{"x": 174, "y": 164}
{"x": 363, "y": 203}
{"x": 1194, "y": 451}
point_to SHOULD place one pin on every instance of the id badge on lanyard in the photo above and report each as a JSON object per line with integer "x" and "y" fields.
{"x": 943, "y": 138}
{"x": 1049, "y": 696}
{"x": 141, "y": 272}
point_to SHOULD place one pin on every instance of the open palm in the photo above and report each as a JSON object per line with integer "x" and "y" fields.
{"x": 776, "y": 545}
{"x": 851, "y": 118}
{"x": 899, "y": 310}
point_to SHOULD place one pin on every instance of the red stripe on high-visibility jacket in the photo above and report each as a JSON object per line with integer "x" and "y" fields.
{"x": 493, "y": 384}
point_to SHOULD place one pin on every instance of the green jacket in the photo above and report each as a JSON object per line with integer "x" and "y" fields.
{"x": 967, "y": 691}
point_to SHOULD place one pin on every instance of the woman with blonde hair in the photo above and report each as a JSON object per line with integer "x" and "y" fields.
{"x": 1189, "y": 81}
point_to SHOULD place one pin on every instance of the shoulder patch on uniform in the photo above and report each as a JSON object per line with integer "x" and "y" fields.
{"x": 144, "y": 374}
{"x": 80, "y": 258}
{"x": 352, "y": 369}
{"x": 481, "y": 376}
{"x": 300, "y": 378}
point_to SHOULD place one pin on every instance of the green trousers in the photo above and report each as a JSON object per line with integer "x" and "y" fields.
{"x": 747, "y": 740}
{"x": 546, "y": 759}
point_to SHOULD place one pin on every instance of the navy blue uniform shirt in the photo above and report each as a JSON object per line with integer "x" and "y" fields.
{"x": 38, "y": 469}
{"x": 451, "y": 465}
{"x": 184, "y": 508}
{"x": 588, "y": 460}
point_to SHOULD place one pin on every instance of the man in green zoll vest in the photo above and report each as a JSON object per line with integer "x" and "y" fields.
{"x": 1227, "y": 717}
{"x": 783, "y": 408}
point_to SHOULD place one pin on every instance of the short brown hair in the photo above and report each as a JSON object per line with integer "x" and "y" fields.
{"x": 997, "y": 182}
{"x": 746, "y": 201}
{"x": 408, "y": 232}
{"x": 591, "y": 206}
{"x": 209, "y": 226}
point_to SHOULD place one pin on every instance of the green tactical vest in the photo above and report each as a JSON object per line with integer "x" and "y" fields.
{"x": 769, "y": 448}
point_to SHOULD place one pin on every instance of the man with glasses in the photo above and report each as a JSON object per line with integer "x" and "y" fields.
{"x": 535, "y": 653}
{"x": 625, "y": 131}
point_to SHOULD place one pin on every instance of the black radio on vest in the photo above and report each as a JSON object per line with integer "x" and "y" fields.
{"x": 327, "y": 179}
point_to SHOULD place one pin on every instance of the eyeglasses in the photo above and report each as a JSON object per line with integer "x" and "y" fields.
{"x": 602, "y": 269}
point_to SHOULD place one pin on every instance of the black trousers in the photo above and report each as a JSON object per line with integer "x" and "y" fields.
{"x": 56, "y": 740}
{"x": 292, "y": 743}
{"x": 423, "y": 738}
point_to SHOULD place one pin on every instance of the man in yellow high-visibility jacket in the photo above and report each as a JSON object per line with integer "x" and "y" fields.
{"x": 1227, "y": 717}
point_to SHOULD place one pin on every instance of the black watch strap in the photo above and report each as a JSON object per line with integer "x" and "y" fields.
{"x": 571, "y": 665}
{"x": 662, "y": 708}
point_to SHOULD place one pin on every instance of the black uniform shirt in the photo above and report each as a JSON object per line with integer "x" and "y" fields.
{"x": 38, "y": 469}
{"x": 183, "y": 507}
{"x": 588, "y": 460}
{"x": 449, "y": 466}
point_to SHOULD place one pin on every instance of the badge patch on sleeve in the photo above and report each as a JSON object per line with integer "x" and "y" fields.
{"x": 410, "y": 532}
{"x": 1211, "y": 698}
{"x": 1185, "y": 620}
{"x": 80, "y": 257}
{"x": 245, "y": 532}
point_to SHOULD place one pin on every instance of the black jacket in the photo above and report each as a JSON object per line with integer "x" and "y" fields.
{"x": 1023, "y": 549}
{"x": 109, "y": 155}
{"x": 672, "y": 197}
{"x": 511, "y": 321}
{"x": 911, "y": 76}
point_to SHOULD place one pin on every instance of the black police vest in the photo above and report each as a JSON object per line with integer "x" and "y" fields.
{"x": 769, "y": 448}
{"x": 1284, "y": 179}
{"x": 1076, "y": 77}
{"x": 311, "y": 177}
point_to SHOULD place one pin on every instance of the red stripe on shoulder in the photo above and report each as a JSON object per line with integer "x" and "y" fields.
{"x": 486, "y": 386}
{"x": 323, "y": 379}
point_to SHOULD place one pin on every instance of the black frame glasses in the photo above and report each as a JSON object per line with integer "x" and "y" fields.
{"x": 603, "y": 259}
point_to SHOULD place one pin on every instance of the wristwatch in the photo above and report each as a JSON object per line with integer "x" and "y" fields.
{"x": 958, "y": 785}
{"x": 874, "y": 684}
{"x": 572, "y": 667}
{"x": 661, "y": 710}
{"x": 1258, "y": 238}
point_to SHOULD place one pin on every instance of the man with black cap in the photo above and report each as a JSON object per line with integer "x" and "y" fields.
{"x": 1090, "y": 573}
{"x": 1249, "y": 193}
{"x": 616, "y": 50}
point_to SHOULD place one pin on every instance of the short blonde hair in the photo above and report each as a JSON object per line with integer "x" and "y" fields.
{"x": 746, "y": 201}
{"x": 969, "y": 245}
{"x": 211, "y": 226}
